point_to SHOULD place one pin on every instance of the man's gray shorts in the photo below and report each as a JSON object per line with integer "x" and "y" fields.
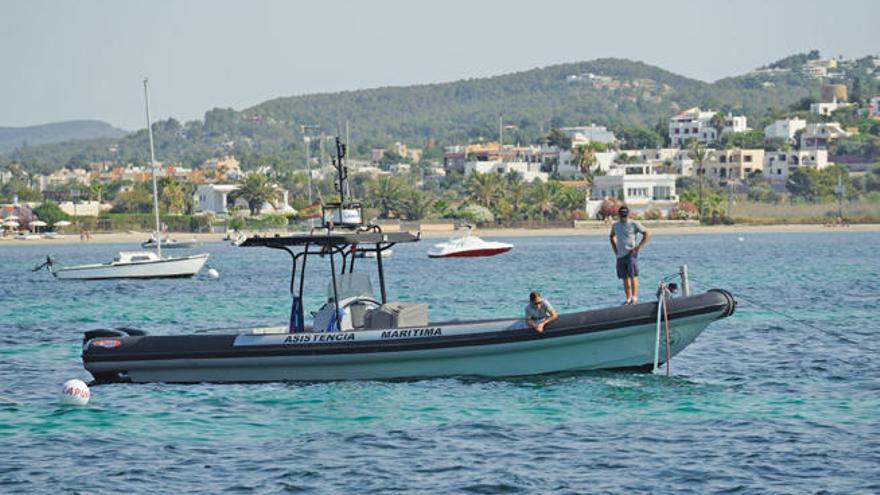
{"x": 627, "y": 267}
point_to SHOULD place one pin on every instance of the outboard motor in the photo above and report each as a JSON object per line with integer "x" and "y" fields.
{"x": 47, "y": 264}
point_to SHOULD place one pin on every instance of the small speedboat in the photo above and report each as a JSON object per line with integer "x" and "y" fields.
{"x": 237, "y": 239}
{"x": 358, "y": 335}
{"x": 169, "y": 243}
{"x": 468, "y": 246}
{"x": 372, "y": 254}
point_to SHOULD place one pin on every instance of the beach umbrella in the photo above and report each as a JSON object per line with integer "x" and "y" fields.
{"x": 10, "y": 217}
{"x": 62, "y": 223}
{"x": 10, "y": 223}
{"x": 39, "y": 223}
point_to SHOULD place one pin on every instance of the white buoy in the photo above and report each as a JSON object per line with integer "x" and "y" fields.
{"x": 740, "y": 239}
{"x": 213, "y": 273}
{"x": 75, "y": 393}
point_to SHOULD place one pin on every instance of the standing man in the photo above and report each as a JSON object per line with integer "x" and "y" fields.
{"x": 626, "y": 248}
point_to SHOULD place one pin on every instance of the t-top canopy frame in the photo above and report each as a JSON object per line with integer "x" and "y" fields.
{"x": 331, "y": 239}
{"x": 344, "y": 244}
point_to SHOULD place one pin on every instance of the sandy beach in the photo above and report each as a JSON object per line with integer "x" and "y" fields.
{"x": 135, "y": 238}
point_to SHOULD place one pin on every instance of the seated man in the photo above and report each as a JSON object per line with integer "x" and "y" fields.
{"x": 539, "y": 313}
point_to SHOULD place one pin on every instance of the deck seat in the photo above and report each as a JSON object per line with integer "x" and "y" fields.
{"x": 397, "y": 315}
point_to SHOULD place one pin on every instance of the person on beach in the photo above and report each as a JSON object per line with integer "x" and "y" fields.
{"x": 539, "y": 312}
{"x": 624, "y": 234}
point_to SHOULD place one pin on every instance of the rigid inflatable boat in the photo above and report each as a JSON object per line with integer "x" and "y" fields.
{"x": 357, "y": 335}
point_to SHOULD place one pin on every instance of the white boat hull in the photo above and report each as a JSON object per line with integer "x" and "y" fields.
{"x": 173, "y": 244}
{"x": 625, "y": 347}
{"x": 468, "y": 247}
{"x": 185, "y": 266}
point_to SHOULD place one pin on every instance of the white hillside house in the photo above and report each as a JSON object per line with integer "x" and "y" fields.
{"x": 528, "y": 170}
{"x": 694, "y": 123}
{"x": 778, "y": 165}
{"x": 637, "y": 185}
{"x": 784, "y": 129}
{"x": 215, "y": 199}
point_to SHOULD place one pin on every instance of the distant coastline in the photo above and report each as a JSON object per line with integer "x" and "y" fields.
{"x": 135, "y": 238}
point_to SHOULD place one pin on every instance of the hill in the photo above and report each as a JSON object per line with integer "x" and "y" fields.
{"x": 613, "y": 92}
{"x": 16, "y": 137}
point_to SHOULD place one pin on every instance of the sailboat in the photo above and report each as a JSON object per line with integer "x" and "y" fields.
{"x": 135, "y": 264}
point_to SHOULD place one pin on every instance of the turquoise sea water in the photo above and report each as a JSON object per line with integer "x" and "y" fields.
{"x": 757, "y": 404}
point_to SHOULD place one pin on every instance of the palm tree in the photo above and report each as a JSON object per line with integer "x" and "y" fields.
{"x": 385, "y": 193}
{"x": 542, "y": 198}
{"x": 173, "y": 197}
{"x": 585, "y": 159}
{"x": 516, "y": 195}
{"x": 717, "y": 123}
{"x": 417, "y": 204}
{"x": 484, "y": 188}
{"x": 569, "y": 198}
{"x": 96, "y": 191}
{"x": 256, "y": 189}
{"x": 698, "y": 154}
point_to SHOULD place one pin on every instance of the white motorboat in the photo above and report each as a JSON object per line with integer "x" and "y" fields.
{"x": 132, "y": 264}
{"x": 168, "y": 243}
{"x": 237, "y": 239}
{"x": 372, "y": 254}
{"x": 135, "y": 264}
{"x": 356, "y": 335}
{"x": 468, "y": 246}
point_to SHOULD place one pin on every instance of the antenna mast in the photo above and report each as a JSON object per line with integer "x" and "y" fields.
{"x": 341, "y": 172}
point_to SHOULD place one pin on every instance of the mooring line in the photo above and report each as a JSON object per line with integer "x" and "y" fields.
{"x": 784, "y": 315}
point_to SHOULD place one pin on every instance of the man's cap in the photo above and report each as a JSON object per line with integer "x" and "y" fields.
{"x": 623, "y": 211}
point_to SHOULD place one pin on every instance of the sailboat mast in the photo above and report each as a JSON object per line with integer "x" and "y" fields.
{"x": 153, "y": 167}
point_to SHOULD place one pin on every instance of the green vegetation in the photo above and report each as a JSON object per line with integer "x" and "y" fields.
{"x": 50, "y": 213}
{"x": 632, "y": 99}
{"x": 16, "y": 137}
{"x": 481, "y": 198}
{"x": 747, "y": 140}
{"x": 819, "y": 185}
{"x": 257, "y": 189}
{"x": 533, "y": 101}
{"x": 794, "y": 62}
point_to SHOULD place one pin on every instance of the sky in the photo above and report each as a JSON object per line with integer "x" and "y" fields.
{"x": 85, "y": 59}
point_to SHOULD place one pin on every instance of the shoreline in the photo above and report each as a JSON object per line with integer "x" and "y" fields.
{"x": 135, "y": 238}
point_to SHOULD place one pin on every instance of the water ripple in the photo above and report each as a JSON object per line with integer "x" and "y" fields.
{"x": 758, "y": 404}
